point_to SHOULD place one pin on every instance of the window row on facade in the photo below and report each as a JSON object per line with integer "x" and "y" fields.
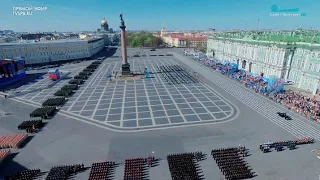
{"x": 270, "y": 60}
{"x": 45, "y": 52}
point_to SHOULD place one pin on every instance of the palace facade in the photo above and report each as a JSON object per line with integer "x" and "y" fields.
{"x": 287, "y": 54}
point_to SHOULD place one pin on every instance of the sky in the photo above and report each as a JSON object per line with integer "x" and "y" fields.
{"x": 86, "y": 15}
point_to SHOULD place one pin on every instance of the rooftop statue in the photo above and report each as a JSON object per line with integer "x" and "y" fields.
{"x": 121, "y": 19}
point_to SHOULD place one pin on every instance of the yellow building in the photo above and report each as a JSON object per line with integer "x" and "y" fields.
{"x": 179, "y": 40}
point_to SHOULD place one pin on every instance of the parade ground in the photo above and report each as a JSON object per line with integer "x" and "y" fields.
{"x": 119, "y": 119}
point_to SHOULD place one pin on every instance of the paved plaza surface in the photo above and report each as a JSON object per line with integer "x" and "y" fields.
{"x": 73, "y": 137}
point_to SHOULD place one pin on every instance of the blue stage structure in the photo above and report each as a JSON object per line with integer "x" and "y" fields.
{"x": 275, "y": 85}
{"x": 233, "y": 68}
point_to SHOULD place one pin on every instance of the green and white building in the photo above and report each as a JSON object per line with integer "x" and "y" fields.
{"x": 290, "y": 55}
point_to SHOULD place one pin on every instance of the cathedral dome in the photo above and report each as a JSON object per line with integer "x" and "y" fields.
{"x": 104, "y": 21}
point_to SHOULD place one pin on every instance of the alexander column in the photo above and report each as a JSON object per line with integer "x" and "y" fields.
{"x": 125, "y": 64}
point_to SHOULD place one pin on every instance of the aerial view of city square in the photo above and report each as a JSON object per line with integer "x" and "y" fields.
{"x": 159, "y": 90}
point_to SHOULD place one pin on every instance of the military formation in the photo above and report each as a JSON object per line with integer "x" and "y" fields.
{"x": 281, "y": 145}
{"x": 232, "y": 164}
{"x": 175, "y": 74}
{"x": 185, "y": 165}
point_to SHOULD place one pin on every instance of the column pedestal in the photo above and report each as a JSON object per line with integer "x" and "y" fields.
{"x": 126, "y": 70}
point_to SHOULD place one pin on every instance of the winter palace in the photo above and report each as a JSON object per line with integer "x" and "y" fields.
{"x": 290, "y": 55}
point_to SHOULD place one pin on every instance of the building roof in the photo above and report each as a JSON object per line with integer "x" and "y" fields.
{"x": 284, "y": 45}
{"x": 190, "y": 38}
{"x": 48, "y": 42}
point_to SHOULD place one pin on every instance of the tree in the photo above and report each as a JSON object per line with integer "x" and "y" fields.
{"x": 148, "y": 42}
{"x": 135, "y": 42}
{"x": 143, "y": 38}
{"x": 203, "y": 49}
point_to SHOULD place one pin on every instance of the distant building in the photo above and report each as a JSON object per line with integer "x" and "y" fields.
{"x": 163, "y": 32}
{"x": 293, "y": 55}
{"x": 104, "y": 25}
{"x": 180, "y": 40}
{"x": 51, "y": 51}
{"x": 110, "y": 38}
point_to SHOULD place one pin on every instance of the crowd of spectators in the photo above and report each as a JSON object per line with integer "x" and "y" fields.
{"x": 299, "y": 103}
{"x": 293, "y": 100}
{"x": 254, "y": 82}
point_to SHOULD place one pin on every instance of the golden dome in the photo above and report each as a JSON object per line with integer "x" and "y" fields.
{"x": 104, "y": 21}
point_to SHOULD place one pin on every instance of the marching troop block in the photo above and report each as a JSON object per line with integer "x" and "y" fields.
{"x": 88, "y": 70}
{"x": 71, "y": 86}
{"x": 97, "y": 62}
{"x": 12, "y": 141}
{"x": 102, "y": 170}
{"x": 176, "y": 75}
{"x": 31, "y": 124}
{"x": 25, "y": 175}
{"x": 92, "y": 66}
{"x": 83, "y": 73}
{"x": 232, "y": 164}
{"x": 64, "y": 172}
{"x": 280, "y": 145}
{"x": 83, "y": 77}
{"x": 53, "y": 102}
{"x": 44, "y": 112}
{"x": 184, "y": 166}
{"x": 135, "y": 168}
{"x": 4, "y": 154}
{"x": 65, "y": 93}
{"x": 76, "y": 81}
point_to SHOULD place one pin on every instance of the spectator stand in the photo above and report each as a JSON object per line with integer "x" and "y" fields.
{"x": 271, "y": 85}
{"x": 65, "y": 172}
{"x": 185, "y": 165}
{"x": 102, "y": 170}
{"x": 12, "y": 141}
{"x": 295, "y": 101}
{"x": 44, "y": 112}
{"x": 232, "y": 164}
{"x": 25, "y": 175}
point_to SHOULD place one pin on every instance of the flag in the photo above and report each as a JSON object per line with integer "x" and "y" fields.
{"x": 258, "y": 21}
